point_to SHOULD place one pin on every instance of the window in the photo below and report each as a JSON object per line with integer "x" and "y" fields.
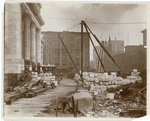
{"x": 78, "y": 61}
{"x": 56, "y": 59}
{"x": 64, "y": 64}
{"x": 77, "y": 64}
{"x": 56, "y": 63}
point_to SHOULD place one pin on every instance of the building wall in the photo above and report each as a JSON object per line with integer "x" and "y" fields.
{"x": 42, "y": 46}
{"x": 18, "y": 29}
{"x": 117, "y": 46}
{"x": 144, "y": 37}
{"x": 13, "y": 39}
{"x": 136, "y": 57}
{"x": 55, "y": 53}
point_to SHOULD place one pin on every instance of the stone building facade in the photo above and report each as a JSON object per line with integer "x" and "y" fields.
{"x": 55, "y": 53}
{"x": 22, "y": 38}
{"x": 42, "y": 48}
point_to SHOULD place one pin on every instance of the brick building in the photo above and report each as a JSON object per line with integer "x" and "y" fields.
{"x": 117, "y": 46}
{"x": 55, "y": 53}
{"x": 22, "y": 38}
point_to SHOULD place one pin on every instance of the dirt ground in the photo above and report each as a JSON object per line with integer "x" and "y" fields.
{"x": 32, "y": 107}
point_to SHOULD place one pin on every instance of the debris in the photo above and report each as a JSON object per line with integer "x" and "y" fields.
{"x": 16, "y": 110}
{"x": 83, "y": 102}
{"x": 110, "y": 96}
{"x": 30, "y": 85}
{"x": 30, "y": 95}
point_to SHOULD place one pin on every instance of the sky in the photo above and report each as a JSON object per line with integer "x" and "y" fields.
{"x": 125, "y": 21}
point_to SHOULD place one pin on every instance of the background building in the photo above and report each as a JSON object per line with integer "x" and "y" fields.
{"x": 95, "y": 58}
{"x": 117, "y": 46}
{"x": 96, "y": 64}
{"x": 22, "y": 38}
{"x": 134, "y": 56}
{"x": 55, "y": 53}
{"x": 114, "y": 47}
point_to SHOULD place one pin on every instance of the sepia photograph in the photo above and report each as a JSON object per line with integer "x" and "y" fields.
{"x": 74, "y": 60}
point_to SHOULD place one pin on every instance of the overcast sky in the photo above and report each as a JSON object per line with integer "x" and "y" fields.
{"x": 125, "y": 19}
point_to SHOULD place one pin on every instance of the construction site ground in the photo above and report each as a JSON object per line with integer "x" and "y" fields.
{"x": 44, "y": 104}
{"x": 33, "y": 107}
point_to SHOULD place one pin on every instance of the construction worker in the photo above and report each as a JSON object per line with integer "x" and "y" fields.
{"x": 52, "y": 84}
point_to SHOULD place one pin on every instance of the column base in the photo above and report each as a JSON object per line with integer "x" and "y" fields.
{"x": 11, "y": 79}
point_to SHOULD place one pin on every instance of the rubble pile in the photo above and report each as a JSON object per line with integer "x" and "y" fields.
{"x": 117, "y": 107}
{"x": 126, "y": 103}
{"x": 115, "y": 96}
{"x": 25, "y": 78}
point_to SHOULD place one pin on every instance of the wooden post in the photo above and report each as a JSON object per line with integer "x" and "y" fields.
{"x": 77, "y": 109}
{"x": 93, "y": 104}
{"x": 82, "y": 52}
{"x": 56, "y": 105}
{"x": 98, "y": 60}
{"x": 94, "y": 47}
{"x": 74, "y": 108}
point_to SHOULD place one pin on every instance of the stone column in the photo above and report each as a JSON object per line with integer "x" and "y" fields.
{"x": 27, "y": 38}
{"x": 38, "y": 45}
{"x": 32, "y": 43}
